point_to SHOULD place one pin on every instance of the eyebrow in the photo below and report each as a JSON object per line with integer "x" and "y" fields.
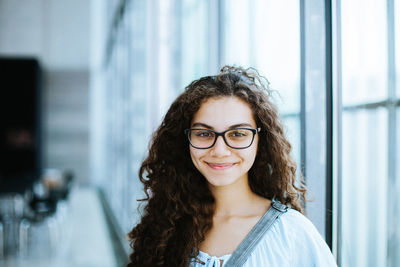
{"x": 200, "y": 124}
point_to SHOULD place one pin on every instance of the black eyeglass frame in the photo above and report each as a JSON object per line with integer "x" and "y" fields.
{"x": 254, "y": 131}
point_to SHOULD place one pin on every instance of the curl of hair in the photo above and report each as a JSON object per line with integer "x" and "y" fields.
{"x": 179, "y": 205}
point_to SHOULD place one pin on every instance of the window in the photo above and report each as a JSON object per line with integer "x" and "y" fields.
{"x": 158, "y": 47}
{"x": 368, "y": 180}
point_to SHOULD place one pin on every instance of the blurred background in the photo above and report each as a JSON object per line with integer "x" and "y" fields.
{"x": 85, "y": 83}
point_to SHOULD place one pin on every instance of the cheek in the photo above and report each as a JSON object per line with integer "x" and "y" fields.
{"x": 251, "y": 155}
{"x": 195, "y": 154}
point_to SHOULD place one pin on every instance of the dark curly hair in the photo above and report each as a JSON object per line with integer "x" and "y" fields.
{"x": 179, "y": 205}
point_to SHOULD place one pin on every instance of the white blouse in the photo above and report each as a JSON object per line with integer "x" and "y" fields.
{"x": 292, "y": 240}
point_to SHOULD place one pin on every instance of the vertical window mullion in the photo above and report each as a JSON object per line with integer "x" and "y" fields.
{"x": 329, "y": 122}
{"x": 316, "y": 112}
{"x": 303, "y": 155}
{"x": 393, "y": 201}
{"x": 336, "y": 127}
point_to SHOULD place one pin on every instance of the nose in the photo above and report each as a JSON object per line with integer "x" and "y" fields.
{"x": 220, "y": 148}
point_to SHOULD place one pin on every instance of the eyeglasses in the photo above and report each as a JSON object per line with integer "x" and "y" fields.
{"x": 237, "y": 138}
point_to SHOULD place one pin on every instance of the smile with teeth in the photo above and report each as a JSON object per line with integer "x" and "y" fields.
{"x": 220, "y": 166}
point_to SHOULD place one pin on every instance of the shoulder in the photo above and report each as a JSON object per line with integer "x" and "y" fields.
{"x": 294, "y": 231}
{"x": 293, "y": 241}
{"x": 298, "y": 224}
{"x": 292, "y": 226}
{"x": 308, "y": 246}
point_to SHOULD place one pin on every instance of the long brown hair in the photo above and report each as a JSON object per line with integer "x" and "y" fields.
{"x": 179, "y": 205}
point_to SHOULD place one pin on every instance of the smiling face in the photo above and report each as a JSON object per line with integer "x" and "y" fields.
{"x": 220, "y": 164}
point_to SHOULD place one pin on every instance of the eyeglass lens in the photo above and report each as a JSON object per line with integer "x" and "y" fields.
{"x": 237, "y": 138}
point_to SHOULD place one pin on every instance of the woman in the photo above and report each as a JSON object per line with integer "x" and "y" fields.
{"x": 220, "y": 183}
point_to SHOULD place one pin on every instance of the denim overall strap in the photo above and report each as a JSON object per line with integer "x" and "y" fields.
{"x": 244, "y": 249}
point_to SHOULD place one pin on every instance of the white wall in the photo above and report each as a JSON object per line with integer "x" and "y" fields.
{"x": 57, "y": 33}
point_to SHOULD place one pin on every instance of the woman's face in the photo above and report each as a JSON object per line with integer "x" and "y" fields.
{"x": 222, "y": 165}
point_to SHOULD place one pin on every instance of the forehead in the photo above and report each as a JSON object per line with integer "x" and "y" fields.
{"x": 223, "y": 112}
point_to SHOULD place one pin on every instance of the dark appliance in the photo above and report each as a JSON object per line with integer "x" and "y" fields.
{"x": 20, "y": 149}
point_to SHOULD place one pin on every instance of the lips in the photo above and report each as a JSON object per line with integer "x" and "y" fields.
{"x": 220, "y": 166}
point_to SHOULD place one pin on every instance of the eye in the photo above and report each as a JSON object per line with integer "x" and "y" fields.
{"x": 238, "y": 133}
{"x": 203, "y": 134}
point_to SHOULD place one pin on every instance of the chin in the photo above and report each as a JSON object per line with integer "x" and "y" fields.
{"x": 221, "y": 181}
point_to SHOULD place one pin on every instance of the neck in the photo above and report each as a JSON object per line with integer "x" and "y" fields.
{"x": 236, "y": 200}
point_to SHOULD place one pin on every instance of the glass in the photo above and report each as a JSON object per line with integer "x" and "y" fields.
{"x": 394, "y": 255}
{"x": 195, "y": 43}
{"x": 292, "y": 125}
{"x": 363, "y": 192}
{"x": 11, "y": 210}
{"x": 397, "y": 42}
{"x": 238, "y": 138}
{"x": 364, "y": 51}
{"x": 236, "y": 33}
{"x": 275, "y": 53}
{"x": 139, "y": 114}
{"x": 1, "y": 242}
{"x": 38, "y": 239}
{"x": 168, "y": 66}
